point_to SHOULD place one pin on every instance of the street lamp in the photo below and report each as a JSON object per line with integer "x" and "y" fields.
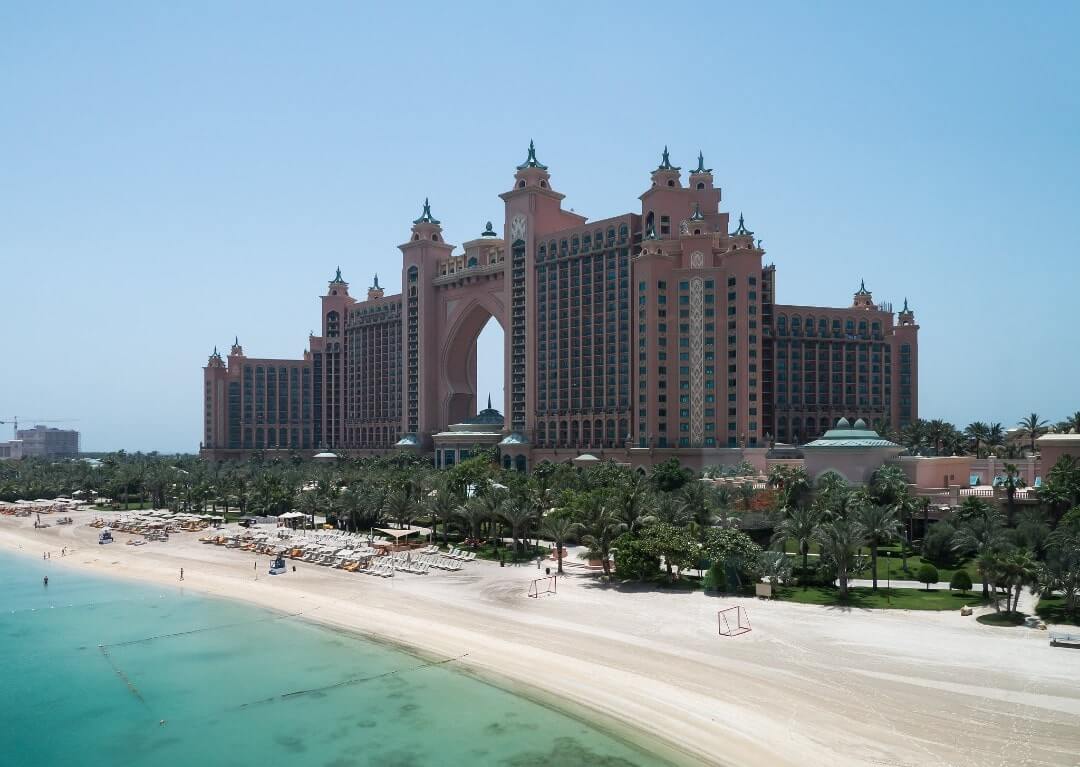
{"x": 888, "y": 566}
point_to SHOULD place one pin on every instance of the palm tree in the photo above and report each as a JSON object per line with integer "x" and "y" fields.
{"x": 937, "y": 432}
{"x": 1011, "y": 482}
{"x": 995, "y": 437}
{"x": 914, "y": 436}
{"x": 906, "y": 506}
{"x": 599, "y": 527}
{"x": 840, "y": 540}
{"x": 888, "y": 484}
{"x": 984, "y": 536}
{"x": 1032, "y": 427}
{"x": 634, "y": 502}
{"x": 1020, "y": 570}
{"x": 517, "y": 514}
{"x": 472, "y": 515}
{"x": 879, "y": 526}
{"x": 559, "y": 527}
{"x": 440, "y": 504}
{"x": 402, "y": 507}
{"x": 799, "y": 523}
{"x": 977, "y": 432}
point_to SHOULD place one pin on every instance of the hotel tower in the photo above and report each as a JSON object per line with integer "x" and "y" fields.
{"x": 652, "y": 334}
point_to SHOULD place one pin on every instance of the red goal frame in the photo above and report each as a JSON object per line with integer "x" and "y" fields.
{"x": 733, "y": 621}
{"x": 547, "y": 585}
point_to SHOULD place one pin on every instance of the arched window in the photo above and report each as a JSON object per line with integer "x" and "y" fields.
{"x": 611, "y": 234}
{"x": 809, "y": 326}
{"x": 671, "y": 182}
{"x": 649, "y": 222}
{"x": 575, "y": 435}
{"x": 796, "y": 326}
{"x": 575, "y": 245}
{"x": 521, "y": 184}
{"x": 586, "y": 242}
{"x": 519, "y": 463}
{"x": 781, "y": 325}
{"x": 609, "y": 438}
{"x": 562, "y": 247}
{"x": 862, "y": 327}
{"x": 598, "y": 239}
{"x": 541, "y": 433}
{"x": 542, "y": 254}
{"x": 412, "y": 274}
{"x": 701, "y": 185}
{"x": 823, "y": 327}
{"x": 472, "y": 261}
{"x": 586, "y": 433}
{"x": 624, "y": 232}
{"x": 506, "y": 458}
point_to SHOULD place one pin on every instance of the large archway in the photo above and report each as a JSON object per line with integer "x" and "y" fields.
{"x": 467, "y": 319}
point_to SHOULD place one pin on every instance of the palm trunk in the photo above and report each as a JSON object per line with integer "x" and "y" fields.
{"x": 842, "y": 577}
{"x": 559, "y": 550}
{"x": 873, "y": 564}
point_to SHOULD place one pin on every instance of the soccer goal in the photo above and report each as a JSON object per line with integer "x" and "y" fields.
{"x": 733, "y": 621}
{"x": 543, "y": 587}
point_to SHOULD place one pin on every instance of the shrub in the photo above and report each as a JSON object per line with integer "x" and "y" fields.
{"x": 633, "y": 558}
{"x": 715, "y": 578}
{"x": 938, "y": 546}
{"x": 960, "y": 581}
{"x": 928, "y": 574}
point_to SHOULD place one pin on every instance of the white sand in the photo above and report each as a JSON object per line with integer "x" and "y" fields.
{"x": 808, "y": 686}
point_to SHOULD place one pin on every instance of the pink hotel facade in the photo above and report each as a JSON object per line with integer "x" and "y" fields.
{"x": 652, "y": 334}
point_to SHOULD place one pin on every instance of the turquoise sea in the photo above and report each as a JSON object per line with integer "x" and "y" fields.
{"x": 93, "y": 665}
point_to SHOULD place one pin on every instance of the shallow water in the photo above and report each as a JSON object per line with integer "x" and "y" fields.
{"x": 93, "y": 665}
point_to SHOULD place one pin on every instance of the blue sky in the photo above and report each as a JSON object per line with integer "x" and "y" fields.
{"x": 174, "y": 174}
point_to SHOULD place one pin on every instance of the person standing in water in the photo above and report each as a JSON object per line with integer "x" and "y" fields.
{"x": 181, "y": 573}
{"x": 45, "y": 580}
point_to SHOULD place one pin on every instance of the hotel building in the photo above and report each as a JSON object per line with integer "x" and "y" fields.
{"x": 651, "y": 334}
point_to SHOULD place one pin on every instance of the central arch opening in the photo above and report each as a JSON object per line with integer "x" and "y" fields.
{"x": 474, "y": 365}
{"x": 490, "y": 371}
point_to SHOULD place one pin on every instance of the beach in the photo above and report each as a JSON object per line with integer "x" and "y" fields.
{"x": 807, "y": 686}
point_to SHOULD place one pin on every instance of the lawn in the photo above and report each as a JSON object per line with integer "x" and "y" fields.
{"x": 1052, "y": 610}
{"x": 1002, "y": 619}
{"x": 893, "y": 563}
{"x": 895, "y": 599}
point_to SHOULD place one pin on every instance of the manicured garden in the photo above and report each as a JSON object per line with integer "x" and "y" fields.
{"x": 1052, "y": 610}
{"x": 883, "y": 598}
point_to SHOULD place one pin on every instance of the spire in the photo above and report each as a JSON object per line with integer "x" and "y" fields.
{"x": 337, "y": 278}
{"x": 862, "y": 288}
{"x": 905, "y": 305}
{"x": 236, "y": 339}
{"x": 742, "y": 230}
{"x": 665, "y": 161}
{"x": 425, "y": 215}
{"x": 696, "y": 215}
{"x": 701, "y": 164}
{"x": 489, "y": 401}
{"x": 215, "y": 354}
{"x": 489, "y": 232}
{"x": 376, "y": 284}
{"x": 531, "y": 161}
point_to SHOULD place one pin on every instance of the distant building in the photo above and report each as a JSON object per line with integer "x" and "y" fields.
{"x": 12, "y": 449}
{"x": 44, "y": 441}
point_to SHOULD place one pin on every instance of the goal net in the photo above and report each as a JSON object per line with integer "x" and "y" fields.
{"x": 542, "y": 587}
{"x": 733, "y": 621}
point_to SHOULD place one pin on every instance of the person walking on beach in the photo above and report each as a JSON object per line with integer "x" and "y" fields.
{"x": 181, "y": 573}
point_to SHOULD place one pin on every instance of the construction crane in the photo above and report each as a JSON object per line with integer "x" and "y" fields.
{"x": 15, "y": 423}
